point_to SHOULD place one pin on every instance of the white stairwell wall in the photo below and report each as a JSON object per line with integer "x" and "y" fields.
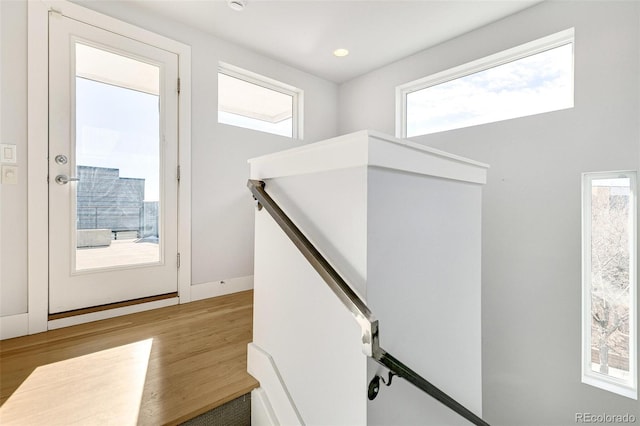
{"x": 312, "y": 338}
{"x": 424, "y": 287}
{"x": 401, "y": 223}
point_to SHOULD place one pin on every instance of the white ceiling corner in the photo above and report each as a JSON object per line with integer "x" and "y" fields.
{"x": 304, "y": 33}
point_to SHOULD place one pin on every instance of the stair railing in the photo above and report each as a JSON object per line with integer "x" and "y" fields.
{"x": 359, "y": 309}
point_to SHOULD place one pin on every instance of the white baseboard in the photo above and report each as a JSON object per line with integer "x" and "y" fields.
{"x": 261, "y": 366}
{"x": 110, "y": 313}
{"x": 14, "y": 326}
{"x": 220, "y": 288}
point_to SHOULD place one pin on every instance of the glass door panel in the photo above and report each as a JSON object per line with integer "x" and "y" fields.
{"x": 117, "y": 158}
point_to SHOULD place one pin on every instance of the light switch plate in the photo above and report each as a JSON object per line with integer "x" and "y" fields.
{"x": 9, "y": 175}
{"x": 7, "y": 153}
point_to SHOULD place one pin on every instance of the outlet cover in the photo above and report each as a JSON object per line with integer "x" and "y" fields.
{"x": 9, "y": 175}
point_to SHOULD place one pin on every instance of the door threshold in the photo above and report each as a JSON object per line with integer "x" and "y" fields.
{"x": 110, "y": 306}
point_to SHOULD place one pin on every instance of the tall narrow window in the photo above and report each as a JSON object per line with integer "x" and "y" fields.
{"x": 609, "y": 358}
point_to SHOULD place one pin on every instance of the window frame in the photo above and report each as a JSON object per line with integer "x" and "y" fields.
{"x": 297, "y": 95}
{"x": 619, "y": 386}
{"x": 513, "y": 54}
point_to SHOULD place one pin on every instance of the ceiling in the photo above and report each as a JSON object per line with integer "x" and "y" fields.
{"x": 304, "y": 33}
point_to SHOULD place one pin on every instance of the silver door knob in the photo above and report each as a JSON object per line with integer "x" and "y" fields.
{"x": 64, "y": 179}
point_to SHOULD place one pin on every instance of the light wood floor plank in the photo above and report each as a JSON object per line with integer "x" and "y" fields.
{"x": 196, "y": 362}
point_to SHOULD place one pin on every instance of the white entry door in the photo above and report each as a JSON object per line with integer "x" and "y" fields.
{"x": 113, "y": 182}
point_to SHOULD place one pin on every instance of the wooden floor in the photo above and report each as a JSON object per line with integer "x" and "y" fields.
{"x": 152, "y": 368}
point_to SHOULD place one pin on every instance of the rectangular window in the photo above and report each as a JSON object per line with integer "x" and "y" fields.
{"x": 609, "y": 334}
{"x": 530, "y": 79}
{"x": 249, "y": 100}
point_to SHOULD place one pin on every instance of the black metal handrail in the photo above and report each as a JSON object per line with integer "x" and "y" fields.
{"x": 356, "y": 306}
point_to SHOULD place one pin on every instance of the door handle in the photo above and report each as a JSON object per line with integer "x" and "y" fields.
{"x": 64, "y": 179}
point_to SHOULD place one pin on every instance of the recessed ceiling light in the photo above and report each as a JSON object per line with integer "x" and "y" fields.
{"x": 340, "y": 52}
{"x": 237, "y": 5}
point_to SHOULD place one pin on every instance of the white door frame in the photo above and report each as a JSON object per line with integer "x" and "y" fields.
{"x": 38, "y": 120}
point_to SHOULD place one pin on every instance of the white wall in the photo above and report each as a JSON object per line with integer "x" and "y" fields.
{"x": 313, "y": 339}
{"x": 531, "y": 205}
{"x": 222, "y": 208}
{"x": 423, "y": 269}
{"x": 13, "y": 125}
